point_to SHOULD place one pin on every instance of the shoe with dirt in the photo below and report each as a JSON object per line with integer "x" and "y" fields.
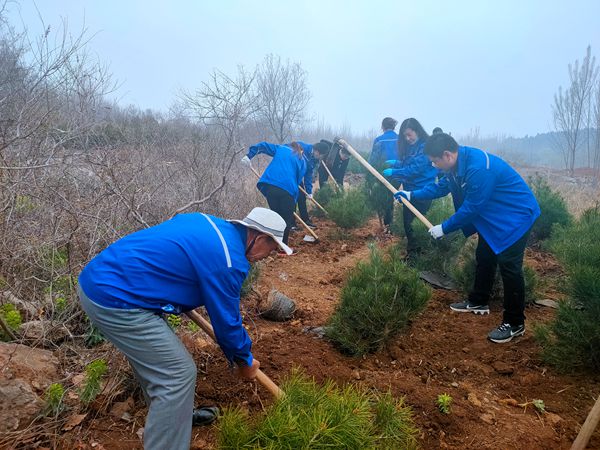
{"x": 294, "y": 228}
{"x": 470, "y": 307}
{"x": 506, "y": 332}
{"x": 204, "y": 416}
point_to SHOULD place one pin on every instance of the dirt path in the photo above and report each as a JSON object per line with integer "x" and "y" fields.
{"x": 443, "y": 352}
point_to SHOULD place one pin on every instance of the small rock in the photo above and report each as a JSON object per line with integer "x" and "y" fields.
{"x": 140, "y": 433}
{"x": 454, "y": 384}
{"x": 502, "y": 368}
{"x": 41, "y": 331}
{"x": 119, "y": 409}
{"x": 344, "y": 247}
{"x": 473, "y": 399}
{"x": 317, "y": 331}
{"x": 356, "y": 375}
{"x": 554, "y": 419}
{"x": 465, "y": 349}
{"x": 487, "y": 418}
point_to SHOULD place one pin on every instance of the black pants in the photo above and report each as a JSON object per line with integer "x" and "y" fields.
{"x": 302, "y": 207}
{"x": 283, "y": 204}
{"x": 408, "y": 217}
{"x": 510, "y": 262}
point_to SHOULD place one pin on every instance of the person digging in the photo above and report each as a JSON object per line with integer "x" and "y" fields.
{"x": 492, "y": 200}
{"x": 188, "y": 261}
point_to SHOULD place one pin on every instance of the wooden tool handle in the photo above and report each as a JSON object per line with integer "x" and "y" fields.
{"x": 385, "y": 182}
{"x": 313, "y": 200}
{"x": 590, "y": 424}
{"x": 263, "y": 379}
{"x": 337, "y": 186}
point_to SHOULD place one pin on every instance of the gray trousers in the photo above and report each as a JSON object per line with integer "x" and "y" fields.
{"x": 162, "y": 365}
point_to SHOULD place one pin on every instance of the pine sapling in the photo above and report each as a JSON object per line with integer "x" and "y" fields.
{"x": 92, "y": 385}
{"x": 54, "y": 399}
{"x": 444, "y": 402}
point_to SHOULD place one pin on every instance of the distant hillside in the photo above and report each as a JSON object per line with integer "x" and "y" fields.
{"x": 542, "y": 150}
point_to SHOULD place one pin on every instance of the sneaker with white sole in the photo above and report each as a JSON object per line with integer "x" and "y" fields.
{"x": 506, "y": 332}
{"x": 470, "y": 307}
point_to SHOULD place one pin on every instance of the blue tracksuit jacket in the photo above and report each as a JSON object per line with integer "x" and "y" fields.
{"x": 384, "y": 148}
{"x": 285, "y": 171}
{"x": 415, "y": 170}
{"x": 489, "y": 196}
{"x": 189, "y": 261}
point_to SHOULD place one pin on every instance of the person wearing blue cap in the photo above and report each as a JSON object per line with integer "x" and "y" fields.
{"x": 189, "y": 261}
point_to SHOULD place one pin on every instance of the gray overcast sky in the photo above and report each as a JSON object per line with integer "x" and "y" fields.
{"x": 455, "y": 64}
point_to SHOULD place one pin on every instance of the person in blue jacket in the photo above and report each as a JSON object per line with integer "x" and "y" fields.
{"x": 280, "y": 180}
{"x": 313, "y": 153}
{"x": 413, "y": 170}
{"x": 385, "y": 148}
{"x": 492, "y": 200}
{"x": 189, "y": 261}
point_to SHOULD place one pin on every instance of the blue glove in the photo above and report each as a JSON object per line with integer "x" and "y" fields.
{"x": 402, "y": 194}
{"x": 391, "y": 162}
{"x": 387, "y": 173}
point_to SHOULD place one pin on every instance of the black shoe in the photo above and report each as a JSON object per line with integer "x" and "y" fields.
{"x": 506, "y": 332}
{"x": 204, "y": 416}
{"x": 310, "y": 224}
{"x": 470, "y": 307}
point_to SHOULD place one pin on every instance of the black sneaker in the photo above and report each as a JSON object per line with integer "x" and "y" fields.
{"x": 506, "y": 332}
{"x": 470, "y": 307}
{"x": 204, "y": 416}
{"x": 310, "y": 224}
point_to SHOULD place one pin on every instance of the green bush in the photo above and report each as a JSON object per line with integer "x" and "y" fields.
{"x": 571, "y": 341}
{"x": 579, "y": 243}
{"x": 379, "y": 299}
{"x": 435, "y": 254}
{"x": 54, "y": 399}
{"x": 552, "y": 206}
{"x": 12, "y": 318}
{"x": 349, "y": 210}
{"x": 378, "y": 196}
{"x": 92, "y": 385}
{"x": 251, "y": 279}
{"x": 325, "y": 194}
{"x": 309, "y": 416}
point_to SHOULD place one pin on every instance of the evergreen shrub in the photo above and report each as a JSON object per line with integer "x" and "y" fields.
{"x": 349, "y": 210}
{"x": 378, "y": 196}
{"x": 378, "y": 301}
{"x": 571, "y": 341}
{"x": 92, "y": 383}
{"x": 310, "y": 416}
{"x": 552, "y": 206}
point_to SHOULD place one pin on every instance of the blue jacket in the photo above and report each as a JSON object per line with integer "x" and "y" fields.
{"x": 189, "y": 261}
{"x": 415, "y": 170}
{"x": 285, "y": 171}
{"x": 311, "y": 163}
{"x": 384, "y": 148}
{"x": 489, "y": 196}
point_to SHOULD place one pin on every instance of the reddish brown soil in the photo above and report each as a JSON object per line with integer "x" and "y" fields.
{"x": 442, "y": 352}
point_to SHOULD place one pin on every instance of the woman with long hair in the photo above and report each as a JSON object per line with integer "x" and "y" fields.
{"x": 413, "y": 170}
{"x": 280, "y": 180}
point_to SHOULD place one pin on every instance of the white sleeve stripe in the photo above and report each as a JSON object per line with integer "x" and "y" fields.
{"x": 223, "y": 243}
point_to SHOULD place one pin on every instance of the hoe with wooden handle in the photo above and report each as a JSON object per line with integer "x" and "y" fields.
{"x": 590, "y": 424}
{"x": 313, "y": 200}
{"x": 335, "y": 183}
{"x": 260, "y": 375}
{"x": 385, "y": 182}
{"x": 316, "y": 238}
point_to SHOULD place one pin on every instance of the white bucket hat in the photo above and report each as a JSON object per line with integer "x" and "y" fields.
{"x": 268, "y": 222}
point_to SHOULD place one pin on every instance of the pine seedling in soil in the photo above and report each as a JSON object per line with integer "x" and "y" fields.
{"x": 174, "y": 321}
{"x": 324, "y": 195}
{"x": 444, "y": 402}
{"x": 579, "y": 243}
{"x": 553, "y": 209}
{"x": 11, "y": 318}
{"x": 54, "y": 399}
{"x": 349, "y": 210}
{"x": 92, "y": 384}
{"x": 380, "y": 298}
{"x": 435, "y": 254}
{"x": 378, "y": 196}
{"x": 251, "y": 279}
{"x": 321, "y": 417}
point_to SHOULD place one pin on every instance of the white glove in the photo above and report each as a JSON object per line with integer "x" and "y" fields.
{"x": 405, "y": 194}
{"x": 309, "y": 196}
{"x": 246, "y": 161}
{"x": 436, "y": 232}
